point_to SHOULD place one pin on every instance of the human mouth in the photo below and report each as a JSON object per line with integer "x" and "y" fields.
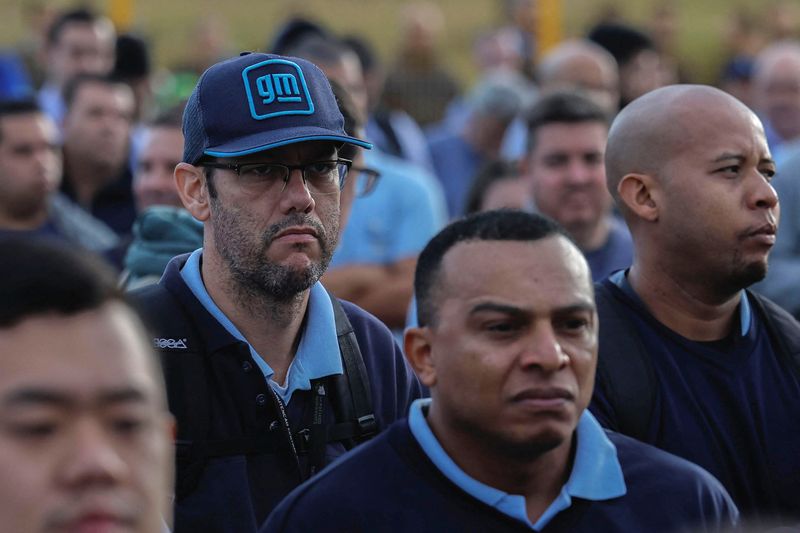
{"x": 297, "y": 235}
{"x": 764, "y": 234}
{"x": 544, "y": 398}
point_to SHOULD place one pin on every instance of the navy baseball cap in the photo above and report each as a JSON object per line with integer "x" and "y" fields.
{"x": 256, "y": 102}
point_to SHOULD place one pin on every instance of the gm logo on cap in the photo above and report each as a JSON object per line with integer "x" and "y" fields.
{"x": 276, "y": 87}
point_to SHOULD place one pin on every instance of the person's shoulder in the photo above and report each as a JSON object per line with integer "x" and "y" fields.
{"x": 361, "y": 318}
{"x": 657, "y": 471}
{"x": 353, "y": 484}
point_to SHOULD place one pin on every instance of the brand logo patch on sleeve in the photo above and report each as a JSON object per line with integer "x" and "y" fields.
{"x": 175, "y": 344}
{"x": 276, "y": 87}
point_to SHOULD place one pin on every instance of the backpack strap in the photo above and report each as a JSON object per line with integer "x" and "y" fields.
{"x": 186, "y": 371}
{"x": 357, "y": 378}
{"x": 624, "y": 366}
{"x": 782, "y": 328}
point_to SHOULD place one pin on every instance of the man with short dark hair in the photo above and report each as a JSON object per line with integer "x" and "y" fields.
{"x": 564, "y": 166}
{"x": 163, "y": 228}
{"x": 96, "y": 143}
{"x": 78, "y": 42}
{"x": 30, "y": 173}
{"x": 85, "y": 435}
{"x": 507, "y": 343}
{"x": 690, "y": 360}
{"x": 289, "y": 378}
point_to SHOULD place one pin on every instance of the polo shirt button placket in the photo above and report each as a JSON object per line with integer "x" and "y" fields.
{"x": 261, "y": 400}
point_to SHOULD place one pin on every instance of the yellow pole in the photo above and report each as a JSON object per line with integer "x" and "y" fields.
{"x": 549, "y": 25}
{"x": 121, "y": 14}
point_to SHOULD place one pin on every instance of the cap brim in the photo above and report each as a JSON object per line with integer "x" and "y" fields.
{"x": 268, "y": 140}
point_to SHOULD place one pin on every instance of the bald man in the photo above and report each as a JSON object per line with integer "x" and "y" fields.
{"x": 776, "y": 87}
{"x": 690, "y": 360}
{"x": 584, "y": 65}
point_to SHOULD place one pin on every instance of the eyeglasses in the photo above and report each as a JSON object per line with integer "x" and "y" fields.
{"x": 366, "y": 179}
{"x": 320, "y": 177}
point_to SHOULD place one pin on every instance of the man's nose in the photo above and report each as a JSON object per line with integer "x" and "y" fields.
{"x": 91, "y": 457}
{"x": 544, "y": 351}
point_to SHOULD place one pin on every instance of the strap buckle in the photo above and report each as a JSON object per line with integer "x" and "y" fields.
{"x": 367, "y": 425}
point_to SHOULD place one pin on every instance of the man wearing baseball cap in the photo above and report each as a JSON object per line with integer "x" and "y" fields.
{"x": 268, "y": 376}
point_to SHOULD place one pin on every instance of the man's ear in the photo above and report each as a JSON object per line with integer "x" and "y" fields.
{"x": 418, "y": 353}
{"x": 640, "y": 194}
{"x": 193, "y": 190}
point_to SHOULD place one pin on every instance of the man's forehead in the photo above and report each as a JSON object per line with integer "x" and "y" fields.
{"x": 483, "y": 267}
{"x": 87, "y": 352}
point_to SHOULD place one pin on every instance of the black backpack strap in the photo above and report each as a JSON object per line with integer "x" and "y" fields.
{"x": 624, "y": 366}
{"x": 362, "y": 425}
{"x": 782, "y": 328}
{"x": 186, "y": 373}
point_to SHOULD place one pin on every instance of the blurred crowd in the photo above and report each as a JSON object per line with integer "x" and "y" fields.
{"x": 92, "y": 130}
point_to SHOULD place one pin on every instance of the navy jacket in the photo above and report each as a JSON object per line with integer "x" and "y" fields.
{"x": 390, "y": 485}
{"x": 235, "y": 493}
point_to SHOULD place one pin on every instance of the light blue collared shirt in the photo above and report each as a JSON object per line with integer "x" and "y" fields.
{"x": 596, "y": 472}
{"x": 318, "y": 352}
{"x": 620, "y": 279}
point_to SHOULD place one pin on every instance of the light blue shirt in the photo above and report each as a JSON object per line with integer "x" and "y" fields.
{"x": 318, "y": 352}
{"x": 620, "y": 279}
{"x": 396, "y": 220}
{"x": 596, "y": 472}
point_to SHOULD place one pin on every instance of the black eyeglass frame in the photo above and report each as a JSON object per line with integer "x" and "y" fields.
{"x": 237, "y": 167}
{"x": 372, "y": 179}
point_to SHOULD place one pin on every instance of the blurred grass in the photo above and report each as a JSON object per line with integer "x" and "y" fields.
{"x": 169, "y": 24}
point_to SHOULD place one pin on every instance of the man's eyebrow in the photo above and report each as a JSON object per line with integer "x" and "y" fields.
{"x": 498, "y": 308}
{"x": 728, "y": 155}
{"x": 581, "y": 306}
{"x": 56, "y": 398}
{"x": 740, "y": 158}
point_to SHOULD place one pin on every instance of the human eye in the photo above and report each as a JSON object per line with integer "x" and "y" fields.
{"x": 321, "y": 168}
{"x": 262, "y": 173}
{"x": 573, "y": 324}
{"x": 768, "y": 173}
{"x": 32, "y": 429}
{"x": 731, "y": 171}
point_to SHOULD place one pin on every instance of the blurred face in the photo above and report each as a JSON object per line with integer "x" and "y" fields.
{"x": 597, "y": 78}
{"x": 513, "y": 351}
{"x": 718, "y": 207}
{"x": 97, "y": 125}
{"x": 271, "y": 241}
{"x": 566, "y": 172}
{"x": 82, "y": 48}
{"x": 778, "y": 91}
{"x": 30, "y": 165}
{"x": 85, "y": 438}
{"x": 153, "y": 182}
{"x": 642, "y": 73}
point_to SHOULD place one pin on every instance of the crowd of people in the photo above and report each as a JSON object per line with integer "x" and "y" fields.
{"x": 320, "y": 293}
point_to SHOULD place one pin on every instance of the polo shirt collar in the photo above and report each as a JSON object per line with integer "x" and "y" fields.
{"x": 317, "y": 353}
{"x": 596, "y": 472}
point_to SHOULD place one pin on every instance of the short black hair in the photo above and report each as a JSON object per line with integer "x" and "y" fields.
{"x": 496, "y": 225}
{"x": 9, "y": 108}
{"x": 172, "y": 117}
{"x": 621, "y": 40}
{"x": 353, "y": 119}
{"x": 568, "y": 106}
{"x": 492, "y": 171}
{"x": 80, "y": 15}
{"x": 39, "y": 276}
{"x": 132, "y": 61}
